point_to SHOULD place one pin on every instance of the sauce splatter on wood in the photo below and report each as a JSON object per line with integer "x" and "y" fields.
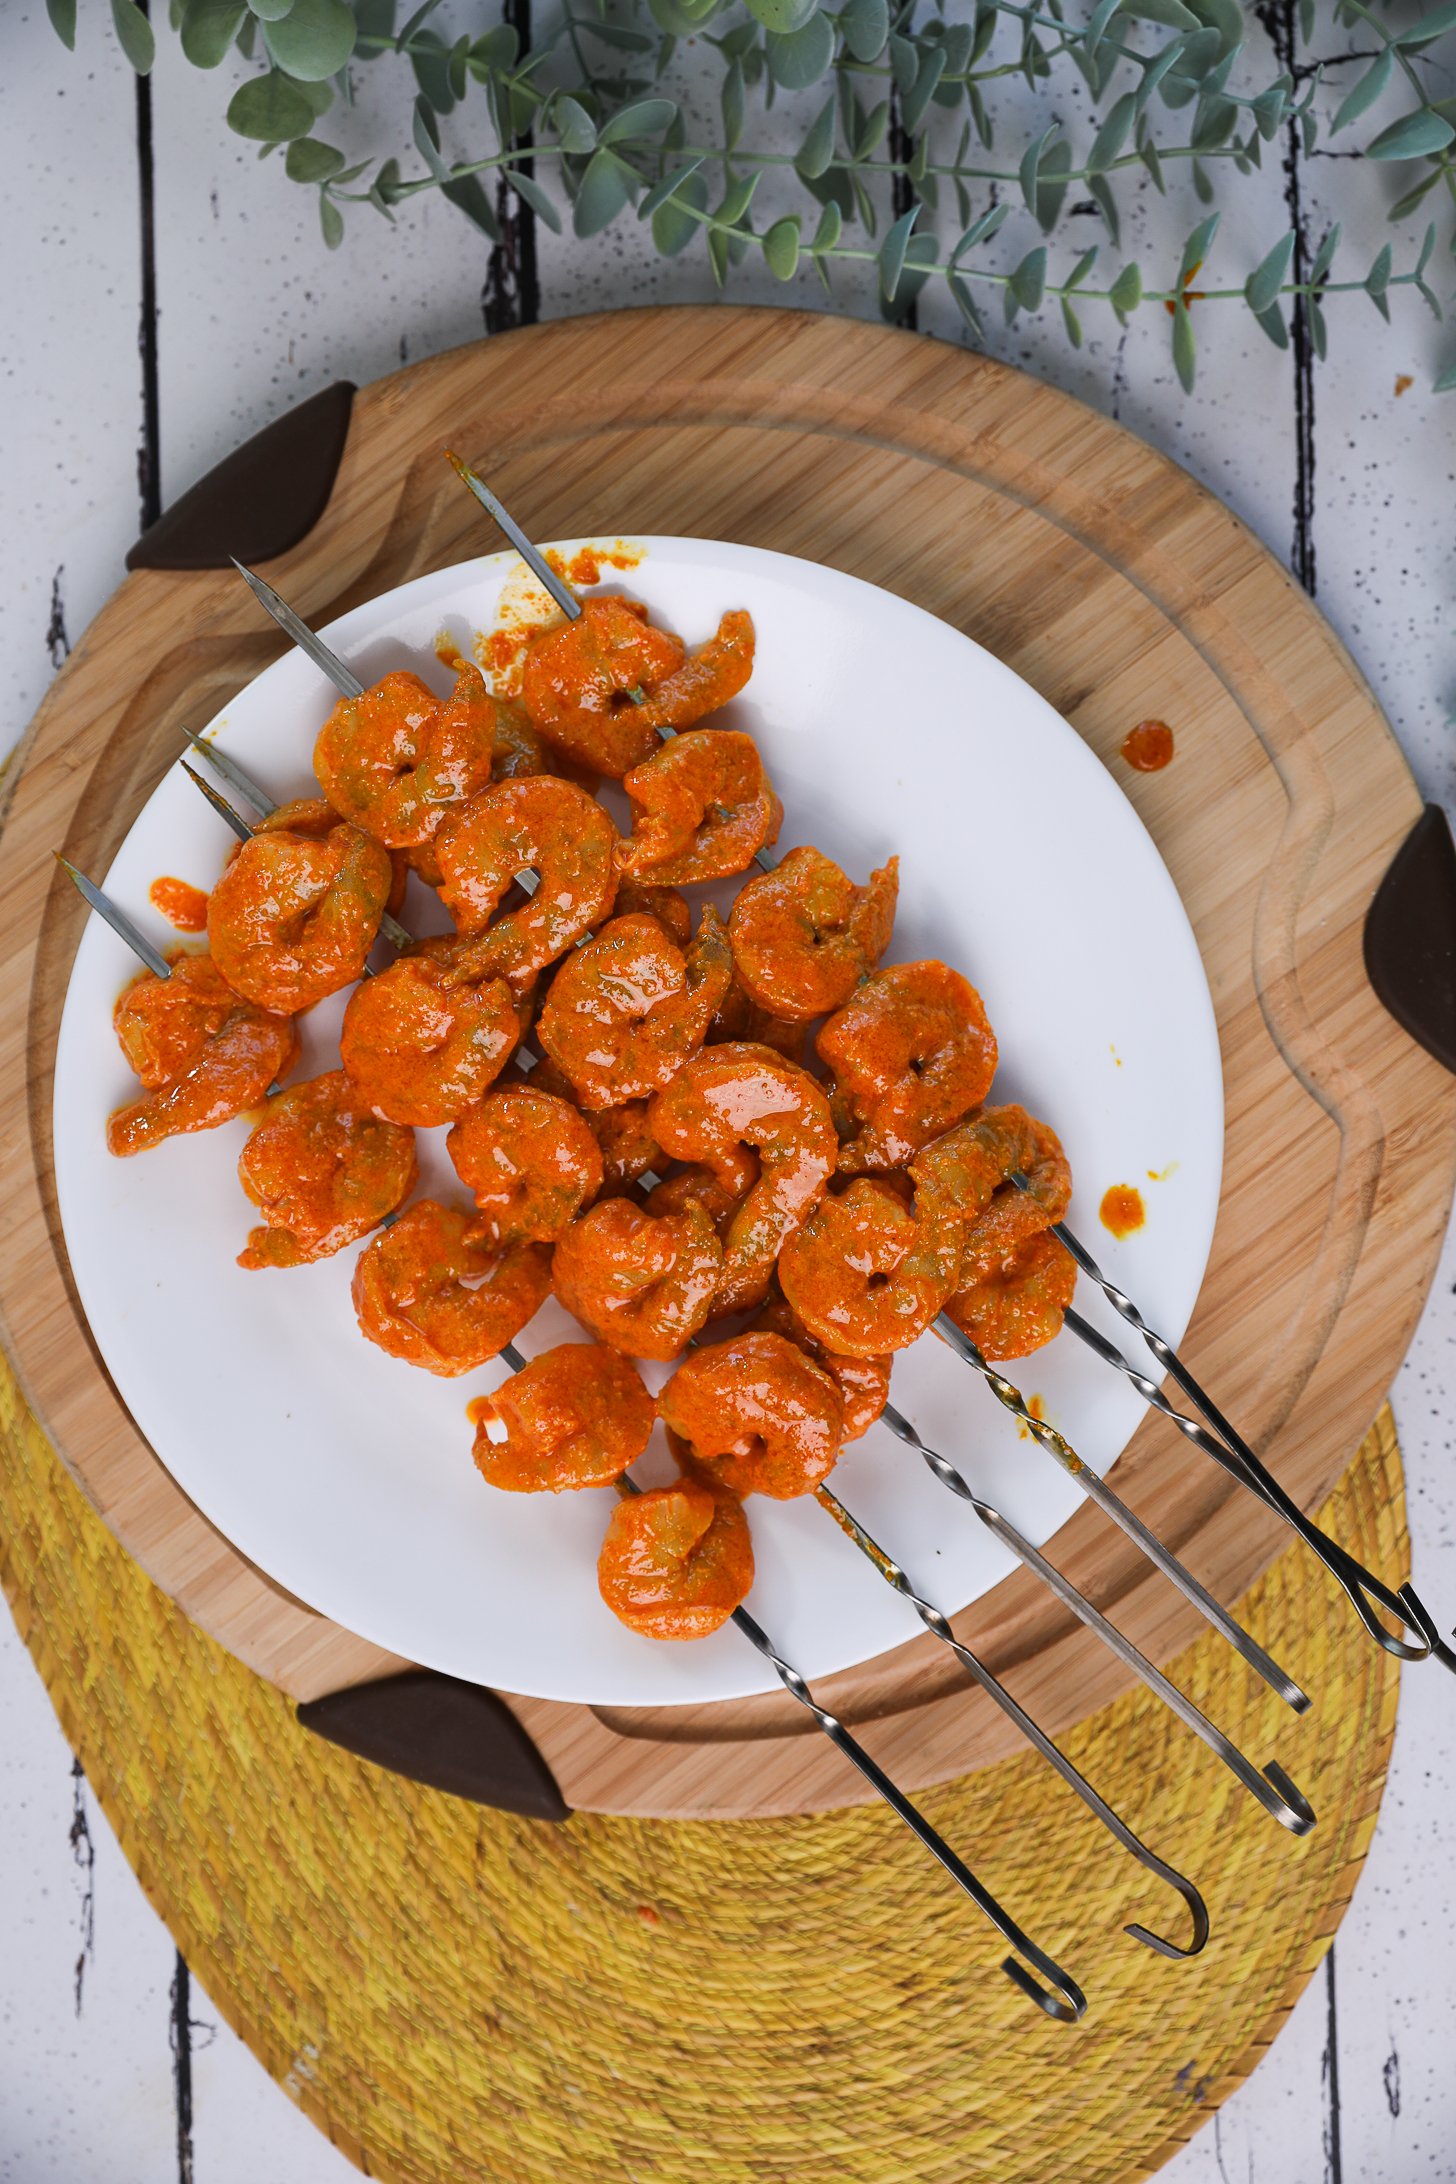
{"x": 180, "y": 903}
{"x": 1122, "y": 1210}
{"x": 1148, "y": 747}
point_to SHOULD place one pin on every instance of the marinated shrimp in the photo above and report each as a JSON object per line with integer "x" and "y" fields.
{"x": 642, "y": 1281}
{"x": 202, "y": 1052}
{"x": 575, "y": 1416}
{"x": 605, "y": 686}
{"x": 764, "y": 1129}
{"x": 1015, "y": 1280}
{"x": 422, "y": 1041}
{"x": 804, "y": 936}
{"x": 911, "y": 1053}
{"x": 676, "y": 1560}
{"x": 626, "y": 1009}
{"x": 395, "y": 761}
{"x": 705, "y": 808}
{"x": 295, "y": 914}
{"x": 863, "y": 1382}
{"x": 538, "y": 823}
{"x": 427, "y": 1291}
{"x": 322, "y": 1170}
{"x": 530, "y": 1161}
{"x": 757, "y": 1413}
{"x": 867, "y": 1273}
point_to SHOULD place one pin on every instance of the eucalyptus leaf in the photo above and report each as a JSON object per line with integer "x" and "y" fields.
{"x": 673, "y": 224}
{"x": 669, "y": 186}
{"x": 1028, "y": 280}
{"x": 209, "y": 28}
{"x": 1404, "y": 206}
{"x": 966, "y": 305}
{"x": 1430, "y": 27}
{"x": 426, "y": 132}
{"x": 134, "y": 35}
{"x": 989, "y": 224}
{"x": 1272, "y": 321}
{"x": 62, "y": 15}
{"x": 781, "y": 248}
{"x": 1171, "y": 13}
{"x": 1031, "y": 164}
{"x": 1127, "y": 292}
{"x": 1106, "y": 203}
{"x": 873, "y": 132}
{"x": 331, "y": 220}
{"x": 1184, "y": 348}
{"x": 865, "y": 28}
{"x": 799, "y": 58}
{"x": 1414, "y": 136}
{"x": 270, "y": 109}
{"x": 1324, "y": 257}
{"x": 1195, "y": 250}
{"x": 605, "y": 187}
{"x": 576, "y": 132}
{"x": 1051, "y": 185}
{"x": 313, "y": 40}
{"x": 273, "y": 11}
{"x": 892, "y": 251}
{"x": 1081, "y": 269}
{"x": 732, "y": 100}
{"x": 783, "y": 15}
{"x": 1072, "y": 323}
{"x": 829, "y": 230}
{"x": 816, "y": 153}
{"x": 467, "y": 194}
{"x": 1264, "y": 283}
{"x": 646, "y": 118}
{"x": 913, "y": 103}
{"x": 1319, "y": 331}
{"x": 309, "y": 161}
{"x": 1113, "y": 134}
{"x": 1365, "y": 92}
{"x": 528, "y": 188}
{"x": 1102, "y": 15}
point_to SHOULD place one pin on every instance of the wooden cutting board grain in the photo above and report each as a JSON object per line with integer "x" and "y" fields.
{"x": 1121, "y": 590}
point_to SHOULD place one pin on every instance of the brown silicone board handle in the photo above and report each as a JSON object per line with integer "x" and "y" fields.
{"x": 260, "y": 500}
{"x": 447, "y": 1734}
{"x": 1410, "y": 936}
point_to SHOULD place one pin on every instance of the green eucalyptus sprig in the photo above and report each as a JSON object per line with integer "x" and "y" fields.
{"x": 892, "y": 108}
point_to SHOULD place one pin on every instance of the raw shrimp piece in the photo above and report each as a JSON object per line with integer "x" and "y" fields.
{"x": 911, "y": 1054}
{"x": 1017, "y": 1304}
{"x": 705, "y": 808}
{"x": 623, "y": 1134}
{"x": 804, "y": 936}
{"x": 395, "y": 761}
{"x": 577, "y": 676}
{"x": 295, "y": 914}
{"x": 627, "y": 1008}
{"x": 764, "y": 1129}
{"x": 706, "y": 681}
{"x": 575, "y": 1416}
{"x": 677, "y": 1560}
{"x": 758, "y": 1414}
{"x": 700, "y": 1187}
{"x": 322, "y": 1171}
{"x": 867, "y": 1273}
{"x": 550, "y": 827}
{"x": 740, "y": 1017}
{"x": 641, "y": 1281}
{"x": 425, "y": 1291}
{"x": 421, "y": 1042}
{"x": 1015, "y": 1280}
{"x": 663, "y": 903}
{"x": 530, "y": 1161}
{"x": 863, "y": 1382}
{"x": 203, "y": 1053}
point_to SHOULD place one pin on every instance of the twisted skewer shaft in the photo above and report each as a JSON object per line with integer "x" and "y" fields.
{"x": 1271, "y": 1786}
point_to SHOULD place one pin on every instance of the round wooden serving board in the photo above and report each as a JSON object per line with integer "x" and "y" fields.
{"x": 1102, "y": 574}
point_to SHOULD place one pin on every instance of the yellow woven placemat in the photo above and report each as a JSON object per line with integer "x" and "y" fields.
{"x": 454, "y": 1995}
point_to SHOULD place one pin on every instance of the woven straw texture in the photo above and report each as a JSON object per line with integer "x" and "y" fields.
{"x": 452, "y": 1994}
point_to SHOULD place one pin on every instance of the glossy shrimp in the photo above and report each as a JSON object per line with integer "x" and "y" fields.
{"x": 423, "y": 1041}
{"x": 912, "y": 1053}
{"x": 757, "y": 1413}
{"x": 1015, "y": 1280}
{"x": 322, "y": 1170}
{"x": 575, "y": 1416}
{"x": 202, "y": 1052}
{"x": 626, "y": 1009}
{"x": 804, "y": 935}
{"x": 676, "y": 1560}
{"x": 529, "y": 1160}
{"x": 426, "y": 1290}
{"x": 863, "y": 1382}
{"x": 623, "y": 1134}
{"x": 395, "y": 761}
{"x": 705, "y": 807}
{"x": 604, "y": 686}
{"x": 550, "y": 827}
{"x": 640, "y": 1280}
{"x": 868, "y": 1272}
{"x": 295, "y": 914}
{"x": 764, "y": 1130}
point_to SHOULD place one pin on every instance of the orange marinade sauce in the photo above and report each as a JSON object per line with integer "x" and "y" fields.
{"x": 180, "y": 903}
{"x": 1148, "y": 747}
{"x": 1121, "y": 1210}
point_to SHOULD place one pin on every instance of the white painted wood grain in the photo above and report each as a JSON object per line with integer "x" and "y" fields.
{"x": 254, "y": 314}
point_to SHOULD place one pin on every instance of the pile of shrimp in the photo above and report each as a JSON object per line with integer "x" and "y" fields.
{"x": 749, "y": 1150}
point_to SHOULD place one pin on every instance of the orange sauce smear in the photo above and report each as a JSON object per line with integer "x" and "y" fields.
{"x": 525, "y": 609}
{"x": 1148, "y": 747}
{"x": 1122, "y": 1209}
{"x": 1036, "y": 1404}
{"x": 181, "y": 904}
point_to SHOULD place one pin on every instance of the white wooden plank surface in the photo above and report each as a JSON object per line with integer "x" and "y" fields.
{"x": 253, "y": 314}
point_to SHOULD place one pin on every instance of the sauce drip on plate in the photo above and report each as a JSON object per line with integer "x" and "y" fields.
{"x": 180, "y": 903}
{"x": 1122, "y": 1210}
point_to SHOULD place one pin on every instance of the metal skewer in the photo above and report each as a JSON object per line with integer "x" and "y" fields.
{"x": 534, "y": 559}
{"x": 1271, "y": 1786}
{"x": 343, "y": 678}
{"x": 117, "y": 919}
{"x": 1361, "y": 1585}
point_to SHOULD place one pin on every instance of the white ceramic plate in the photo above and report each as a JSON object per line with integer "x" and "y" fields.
{"x": 346, "y": 1475}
